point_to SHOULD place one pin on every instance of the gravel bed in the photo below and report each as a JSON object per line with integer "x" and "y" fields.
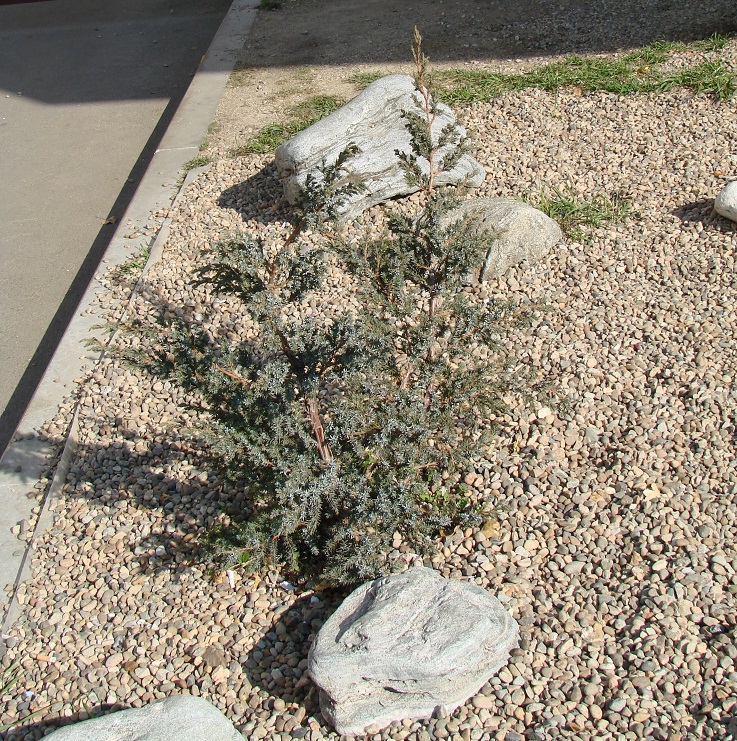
{"x": 613, "y": 536}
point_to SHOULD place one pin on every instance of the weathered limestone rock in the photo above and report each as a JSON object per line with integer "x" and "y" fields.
{"x": 373, "y": 121}
{"x": 401, "y": 646}
{"x": 177, "y": 717}
{"x": 726, "y": 202}
{"x": 518, "y": 231}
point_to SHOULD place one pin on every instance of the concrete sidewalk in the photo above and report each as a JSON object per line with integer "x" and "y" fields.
{"x": 24, "y": 460}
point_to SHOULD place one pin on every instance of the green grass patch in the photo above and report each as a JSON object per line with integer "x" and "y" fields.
{"x": 316, "y": 107}
{"x": 9, "y": 678}
{"x": 269, "y": 5}
{"x": 636, "y": 72}
{"x": 715, "y": 42}
{"x": 267, "y": 140}
{"x": 132, "y": 267}
{"x": 240, "y": 77}
{"x": 213, "y": 128}
{"x": 574, "y": 214}
{"x": 305, "y": 74}
{"x": 303, "y": 115}
{"x": 362, "y": 80}
{"x": 709, "y": 77}
{"x": 198, "y": 161}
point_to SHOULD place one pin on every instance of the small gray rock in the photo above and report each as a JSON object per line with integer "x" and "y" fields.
{"x": 726, "y": 202}
{"x": 177, "y": 717}
{"x": 213, "y": 657}
{"x": 574, "y": 567}
{"x": 406, "y": 645}
{"x": 516, "y": 231}
{"x": 592, "y": 435}
{"x": 373, "y": 121}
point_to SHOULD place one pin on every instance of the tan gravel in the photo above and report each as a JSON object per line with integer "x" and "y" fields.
{"x": 613, "y": 542}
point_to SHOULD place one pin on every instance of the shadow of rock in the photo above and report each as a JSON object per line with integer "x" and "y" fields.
{"x": 259, "y": 198}
{"x": 28, "y": 731}
{"x": 277, "y": 664}
{"x": 703, "y": 212}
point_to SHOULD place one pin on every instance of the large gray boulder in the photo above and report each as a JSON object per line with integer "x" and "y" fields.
{"x": 516, "y": 231}
{"x": 726, "y": 202}
{"x": 173, "y": 719}
{"x": 373, "y": 121}
{"x": 402, "y": 646}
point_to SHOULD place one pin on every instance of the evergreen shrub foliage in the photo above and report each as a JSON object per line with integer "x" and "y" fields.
{"x": 346, "y": 429}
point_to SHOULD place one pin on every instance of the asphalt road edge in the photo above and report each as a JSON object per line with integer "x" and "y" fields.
{"x": 27, "y": 458}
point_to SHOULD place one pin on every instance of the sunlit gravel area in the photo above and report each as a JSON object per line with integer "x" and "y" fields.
{"x": 612, "y": 538}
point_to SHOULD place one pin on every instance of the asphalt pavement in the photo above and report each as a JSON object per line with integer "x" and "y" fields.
{"x": 87, "y": 89}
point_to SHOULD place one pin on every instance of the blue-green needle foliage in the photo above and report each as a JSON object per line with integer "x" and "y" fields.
{"x": 346, "y": 429}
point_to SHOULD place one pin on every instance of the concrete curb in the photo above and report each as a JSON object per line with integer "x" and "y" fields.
{"x": 24, "y": 461}
{"x": 53, "y": 494}
{"x": 44, "y": 521}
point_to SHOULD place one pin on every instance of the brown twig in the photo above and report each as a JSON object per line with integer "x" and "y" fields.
{"x": 233, "y": 376}
{"x": 420, "y": 62}
{"x": 313, "y": 414}
{"x": 405, "y": 378}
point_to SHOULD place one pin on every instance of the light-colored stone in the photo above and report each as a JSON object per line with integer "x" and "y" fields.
{"x": 373, "y": 121}
{"x": 177, "y": 717}
{"x": 403, "y": 646}
{"x": 516, "y": 231}
{"x": 726, "y": 202}
{"x": 574, "y": 567}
